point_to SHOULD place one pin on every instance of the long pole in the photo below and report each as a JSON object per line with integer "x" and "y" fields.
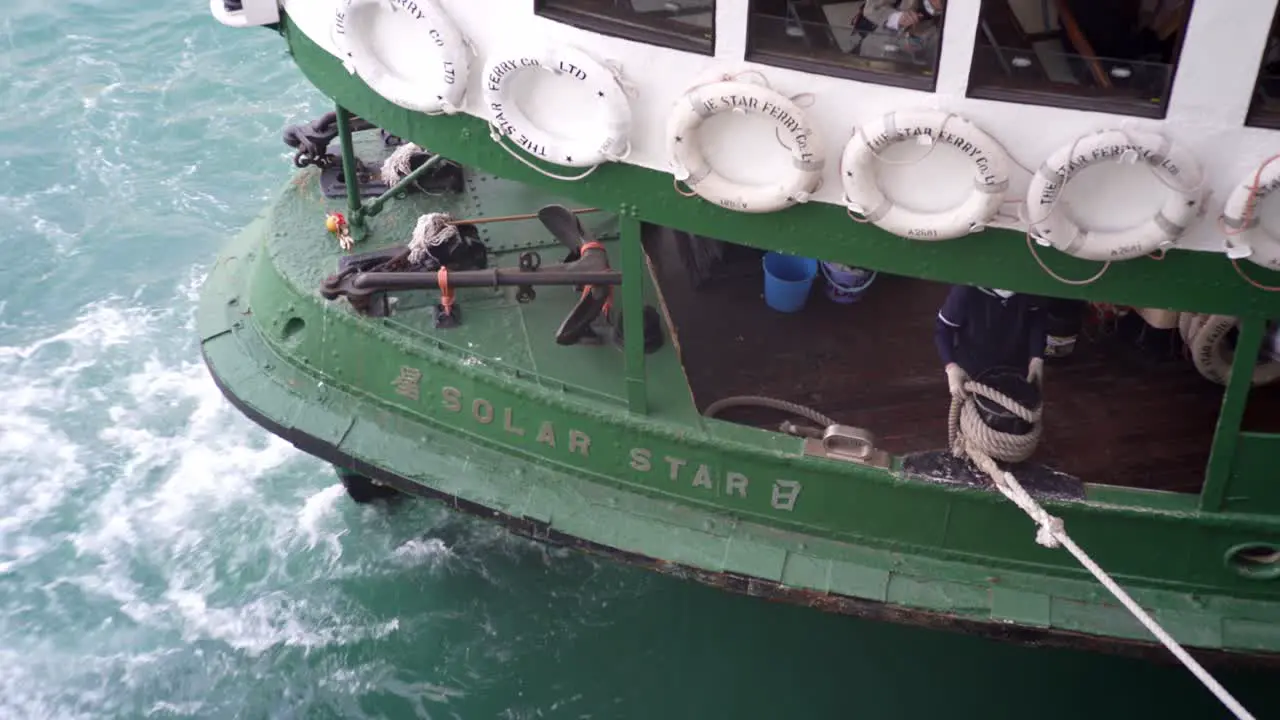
{"x": 509, "y": 218}
{"x": 493, "y": 277}
{"x": 349, "y": 169}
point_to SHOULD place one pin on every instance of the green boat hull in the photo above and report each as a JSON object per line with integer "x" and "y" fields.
{"x": 582, "y": 446}
{"x": 559, "y": 464}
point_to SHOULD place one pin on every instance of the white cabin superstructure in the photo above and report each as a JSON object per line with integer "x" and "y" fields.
{"x": 1201, "y": 102}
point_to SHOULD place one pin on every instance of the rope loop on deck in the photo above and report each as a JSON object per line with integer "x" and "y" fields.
{"x": 971, "y": 437}
{"x": 397, "y": 165}
{"x": 432, "y": 231}
{"x": 966, "y": 428}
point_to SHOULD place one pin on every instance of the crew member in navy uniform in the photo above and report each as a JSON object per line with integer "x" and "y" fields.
{"x": 981, "y": 328}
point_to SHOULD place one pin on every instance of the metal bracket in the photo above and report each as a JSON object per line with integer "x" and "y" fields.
{"x": 848, "y": 444}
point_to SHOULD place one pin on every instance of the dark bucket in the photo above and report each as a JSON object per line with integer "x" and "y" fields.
{"x": 1011, "y": 382}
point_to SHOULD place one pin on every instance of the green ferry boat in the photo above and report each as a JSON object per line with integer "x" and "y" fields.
{"x": 600, "y": 335}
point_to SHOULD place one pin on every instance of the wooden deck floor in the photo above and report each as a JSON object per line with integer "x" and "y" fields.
{"x": 1113, "y": 414}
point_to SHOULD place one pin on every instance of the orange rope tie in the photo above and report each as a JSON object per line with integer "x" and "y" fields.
{"x": 608, "y": 303}
{"x": 446, "y": 294}
{"x": 1240, "y": 271}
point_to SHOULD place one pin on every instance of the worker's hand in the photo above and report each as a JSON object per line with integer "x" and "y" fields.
{"x": 1035, "y": 371}
{"x": 956, "y": 377}
{"x": 907, "y": 19}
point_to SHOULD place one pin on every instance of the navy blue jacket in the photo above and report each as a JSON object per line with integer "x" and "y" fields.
{"x": 978, "y": 330}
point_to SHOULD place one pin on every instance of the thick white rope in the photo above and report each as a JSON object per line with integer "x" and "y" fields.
{"x": 432, "y": 231}
{"x": 983, "y": 446}
{"x": 396, "y": 167}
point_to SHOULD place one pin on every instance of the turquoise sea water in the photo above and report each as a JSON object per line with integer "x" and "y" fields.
{"x": 162, "y": 557}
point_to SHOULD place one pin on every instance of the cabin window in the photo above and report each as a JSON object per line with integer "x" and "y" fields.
{"x": 871, "y": 41}
{"x": 1264, "y": 111}
{"x": 1116, "y": 56}
{"x": 679, "y": 24}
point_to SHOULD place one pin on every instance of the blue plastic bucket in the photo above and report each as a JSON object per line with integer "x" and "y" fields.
{"x": 846, "y": 285}
{"x": 788, "y": 280}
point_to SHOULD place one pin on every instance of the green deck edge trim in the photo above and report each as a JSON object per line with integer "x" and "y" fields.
{"x": 1184, "y": 280}
{"x": 238, "y": 354}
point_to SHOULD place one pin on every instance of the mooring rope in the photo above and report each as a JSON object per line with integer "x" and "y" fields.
{"x": 396, "y": 167}
{"x": 971, "y": 437}
{"x": 432, "y": 231}
{"x": 759, "y": 401}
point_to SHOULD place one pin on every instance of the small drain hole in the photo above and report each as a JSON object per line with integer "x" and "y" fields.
{"x": 293, "y": 327}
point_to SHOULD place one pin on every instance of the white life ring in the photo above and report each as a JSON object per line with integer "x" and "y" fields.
{"x": 422, "y": 65}
{"x": 1206, "y": 337}
{"x": 1176, "y": 167}
{"x": 1247, "y": 238}
{"x": 858, "y": 174}
{"x": 610, "y": 142}
{"x": 689, "y": 166}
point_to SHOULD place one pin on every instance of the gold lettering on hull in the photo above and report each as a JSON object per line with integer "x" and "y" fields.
{"x": 547, "y": 434}
{"x": 484, "y": 412}
{"x": 506, "y": 423}
{"x": 783, "y": 493}
{"x": 407, "y": 382}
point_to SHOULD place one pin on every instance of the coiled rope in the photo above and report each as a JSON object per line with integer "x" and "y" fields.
{"x": 432, "y": 231}
{"x": 396, "y": 167}
{"x": 773, "y": 403}
{"x": 971, "y": 437}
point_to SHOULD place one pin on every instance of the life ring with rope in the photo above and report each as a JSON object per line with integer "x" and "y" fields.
{"x": 412, "y": 54}
{"x": 1245, "y": 235}
{"x": 1206, "y": 338}
{"x": 859, "y": 170}
{"x": 611, "y": 142}
{"x": 1170, "y": 162}
{"x": 688, "y": 164}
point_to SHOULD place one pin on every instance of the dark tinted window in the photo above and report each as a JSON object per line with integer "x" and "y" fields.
{"x": 1115, "y": 56}
{"x": 680, "y": 24}
{"x": 1265, "y": 109}
{"x": 893, "y": 42}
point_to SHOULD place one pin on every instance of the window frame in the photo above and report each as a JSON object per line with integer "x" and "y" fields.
{"x": 619, "y": 28}
{"x": 1045, "y": 98}
{"x": 1255, "y": 117}
{"x": 921, "y": 83}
